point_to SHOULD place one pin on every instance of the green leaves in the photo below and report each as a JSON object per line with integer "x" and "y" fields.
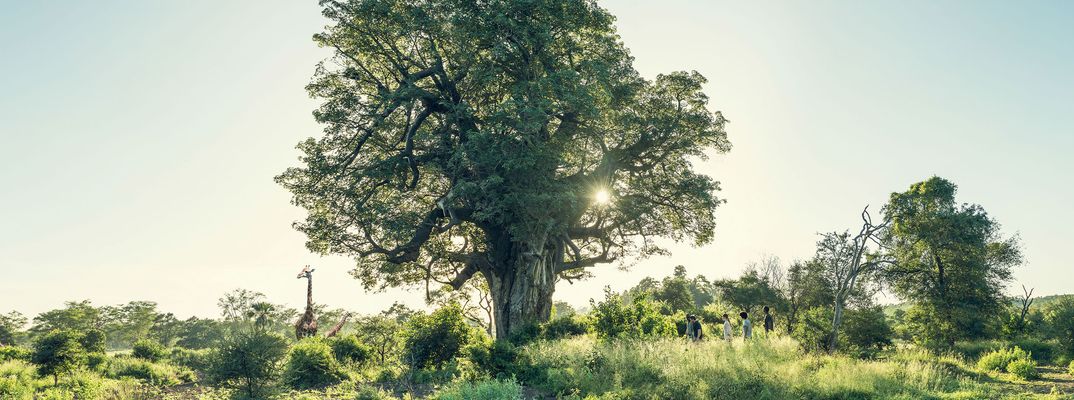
{"x": 950, "y": 260}
{"x": 461, "y": 135}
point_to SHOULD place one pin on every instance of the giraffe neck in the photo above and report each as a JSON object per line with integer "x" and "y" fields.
{"x": 309, "y": 291}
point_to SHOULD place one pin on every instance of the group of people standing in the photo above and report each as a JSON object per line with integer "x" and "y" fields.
{"x": 694, "y": 331}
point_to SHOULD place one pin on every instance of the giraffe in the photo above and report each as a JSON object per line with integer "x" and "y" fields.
{"x": 338, "y": 327}
{"x": 307, "y": 325}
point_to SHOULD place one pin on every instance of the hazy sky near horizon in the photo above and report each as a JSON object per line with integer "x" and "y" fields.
{"x": 138, "y": 140}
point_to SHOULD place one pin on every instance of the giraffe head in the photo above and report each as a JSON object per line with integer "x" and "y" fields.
{"x": 306, "y": 272}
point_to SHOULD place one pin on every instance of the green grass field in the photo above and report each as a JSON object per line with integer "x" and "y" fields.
{"x": 587, "y": 368}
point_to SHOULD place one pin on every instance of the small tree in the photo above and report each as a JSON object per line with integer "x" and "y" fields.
{"x": 249, "y": 360}
{"x": 57, "y": 352}
{"x": 1025, "y": 302}
{"x": 11, "y": 327}
{"x": 748, "y": 292}
{"x": 381, "y": 333}
{"x": 1059, "y": 322}
{"x": 848, "y": 262}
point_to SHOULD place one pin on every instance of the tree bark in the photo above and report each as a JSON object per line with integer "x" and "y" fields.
{"x": 837, "y": 321}
{"x": 521, "y": 285}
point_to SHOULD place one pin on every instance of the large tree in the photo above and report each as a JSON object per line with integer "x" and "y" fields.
{"x": 511, "y": 140}
{"x": 950, "y": 261}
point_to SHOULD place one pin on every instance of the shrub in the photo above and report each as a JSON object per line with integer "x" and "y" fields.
{"x": 998, "y": 360}
{"x": 1070, "y": 368}
{"x": 813, "y": 329}
{"x": 1059, "y": 321}
{"x": 866, "y": 332}
{"x": 8, "y": 353}
{"x": 435, "y": 339}
{"x": 483, "y": 390}
{"x": 147, "y": 371}
{"x": 197, "y": 360}
{"x": 562, "y": 327}
{"x": 248, "y": 361}
{"x": 311, "y": 364}
{"x": 496, "y": 359}
{"x": 372, "y": 393}
{"x": 57, "y": 352}
{"x": 96, "y": 361}
{"x": 16, "y": 380}
{"x": 148, "y": 350}
{"x": 1024, "y": 368}
{"x": 612, "y": 318}
{"x": 348, "y": 349}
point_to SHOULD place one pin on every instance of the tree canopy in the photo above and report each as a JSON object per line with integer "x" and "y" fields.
{"x": 950, "y": 261}
{"x": 510, "y": 139}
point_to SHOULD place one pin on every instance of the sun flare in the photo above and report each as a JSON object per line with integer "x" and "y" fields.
{"x": 602, "y": 197}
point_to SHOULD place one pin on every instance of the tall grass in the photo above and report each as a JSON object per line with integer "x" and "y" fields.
{"x": 760, "y": 369}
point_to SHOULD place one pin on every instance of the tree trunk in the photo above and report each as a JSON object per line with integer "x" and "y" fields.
{"x": 521, "y": 287}
{"x": 837, "y": 321}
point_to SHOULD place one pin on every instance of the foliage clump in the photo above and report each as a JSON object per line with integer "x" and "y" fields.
{"x": 58, "y": 352}
{"x": 1024, "y": 368}
{"x": 248, "y": 361}
{"x": 615, "y": 318}
{"x": 1000, "y": 360}
{"x": 149, "y": 350}
{"x": 482, "y": 390}
{"x": 350, "y": 350}
{"x": 438, "y": 338}
{"x": 311, "y": 364}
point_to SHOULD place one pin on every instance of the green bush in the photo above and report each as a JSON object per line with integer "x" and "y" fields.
{"x": 96, "y": 361}
{"x": 248, "y": 361}
{"x": 998, "y": 360}
{"x": 613, "y": 318}
{"x": 310, "y": 364}
{"x": 483, "y": 390}
{"x": 57, "y": 352}
{"x": 433, "y": 340}
{"x": 1059, "y": 321}
{"x": 372, "y": 393}
{"x": 197, "y": 360}
{"x": 156, "y": 374}
{"x": 349, "y": 349}
{"x": 8, "y": 353}
{"x": 148, "y": 350}
{"x": 496, "y": 359}
{"x": 1024, "y": 368}
{"x": 866, "y": 331}
{"x": 562, "y": 327}
{"x": 16, "y": 380}
{"x": 1070, "y": 368}
{"x": 85, "y": 385}
{"x": 813, "y": 329}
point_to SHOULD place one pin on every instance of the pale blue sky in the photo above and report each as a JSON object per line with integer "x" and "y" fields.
{"x": 138, "y": 140}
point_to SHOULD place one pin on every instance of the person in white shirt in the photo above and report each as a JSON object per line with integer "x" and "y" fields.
{"x": 747, "y": 327}
{"x": 726, "y": 328}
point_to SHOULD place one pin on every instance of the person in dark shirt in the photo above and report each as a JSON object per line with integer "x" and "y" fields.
{"x": 769, "y": 322}
{"x": 693, "y": 328}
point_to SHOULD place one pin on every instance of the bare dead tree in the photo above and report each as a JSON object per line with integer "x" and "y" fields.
{"x": 1026, "y": 301}
{"x": 848, "y": 260}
